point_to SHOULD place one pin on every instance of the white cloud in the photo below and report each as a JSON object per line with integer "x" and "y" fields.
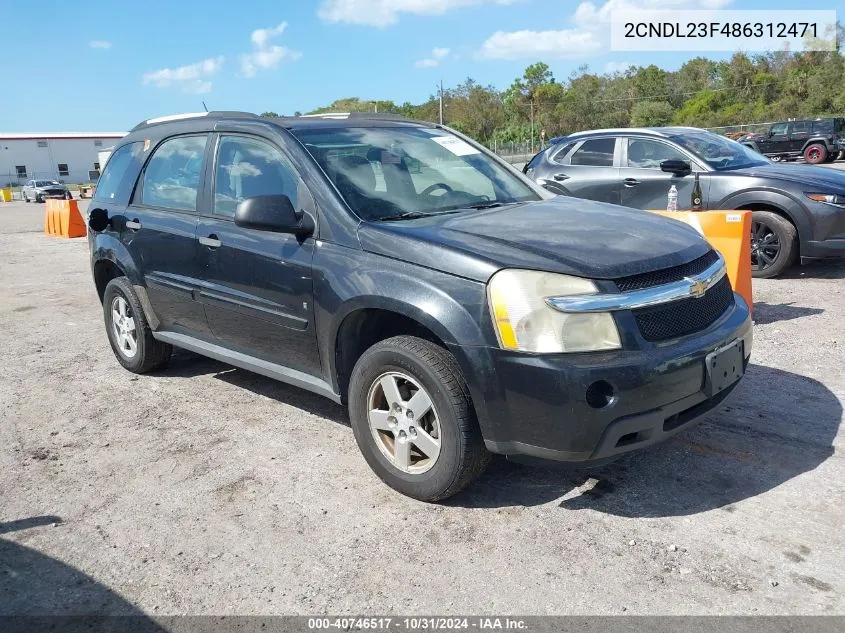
{"x": 566, "y": 43}
{"x": 382, "y": 13}
{"x": 437, "y": 56}
{"x": 193, "y": 78}
{"x": 616, "y": 67}
{"x": 588, "y": 36}
{"x": 266, "y": 56}
{"x": 105, "y": 44}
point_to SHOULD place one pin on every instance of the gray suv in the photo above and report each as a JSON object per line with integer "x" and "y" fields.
{"x": 799, "y": 210}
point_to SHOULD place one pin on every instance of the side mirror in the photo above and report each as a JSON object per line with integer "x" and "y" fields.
{"x": 676, "y": 167}
{"x": 98, "y": 220}
{"x": 273, "y": 213}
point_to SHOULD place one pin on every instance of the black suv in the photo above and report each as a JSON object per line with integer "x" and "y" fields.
{"x": 818, "y": 140}
{"x": 456, "y": 307}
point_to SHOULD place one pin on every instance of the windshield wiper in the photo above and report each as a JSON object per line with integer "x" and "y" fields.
{"x": 412, "y": 215}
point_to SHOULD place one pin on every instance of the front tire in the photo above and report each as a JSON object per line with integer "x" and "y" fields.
{"x": 777, "y": 159}
{"x": 774, "y": 244}
{"x": 413, "y": 419}
{"x": 129, "y": 333}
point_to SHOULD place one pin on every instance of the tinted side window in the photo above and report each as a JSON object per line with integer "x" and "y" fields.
{"x": 116, "y": 168}
{"x": 597, "y": 152}
{"x": 172, "y": 177}
{"x": 561, "y": 153}
{"x": 800, "y": 127}
{"x": 648, "y": 154}
{"x": 247, "y": 168}
{"x": 779, "y": 128}
{"x": 823, "y": 127}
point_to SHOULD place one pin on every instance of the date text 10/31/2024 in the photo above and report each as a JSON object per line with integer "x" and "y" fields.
{"x": 417, "y": 624}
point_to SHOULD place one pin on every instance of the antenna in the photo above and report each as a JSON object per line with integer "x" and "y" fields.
{"x": 205, "y": 106}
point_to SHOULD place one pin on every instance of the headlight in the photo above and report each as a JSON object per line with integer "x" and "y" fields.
{"x": 827, "y": 198}
{"x": 525, "y": 322}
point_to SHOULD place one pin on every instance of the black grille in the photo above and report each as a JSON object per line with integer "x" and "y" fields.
{"x": 686, "y": 316}
{"x": 667, "y": 275}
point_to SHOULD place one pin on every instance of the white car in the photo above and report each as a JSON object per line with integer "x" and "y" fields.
{"x": 40, "y": 190}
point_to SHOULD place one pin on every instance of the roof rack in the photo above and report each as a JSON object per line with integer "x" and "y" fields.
{"x": 218, "y": 114}
{"x": 353, "y": 115}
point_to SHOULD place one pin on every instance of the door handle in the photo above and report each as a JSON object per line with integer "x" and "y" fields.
{"x": 631, "y": 182}
{"x": 561, "y": 177}
{"x": 212, "y": 241}
{"x": 134, "y": 225}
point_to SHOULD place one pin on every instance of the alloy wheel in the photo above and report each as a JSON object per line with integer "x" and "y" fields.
{"x": 765, "y": 246}
{"x": 124, "y": 327}
{"x": 404, "y": 423}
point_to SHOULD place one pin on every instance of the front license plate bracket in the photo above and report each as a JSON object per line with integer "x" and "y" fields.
{"x": 723, "y": 367}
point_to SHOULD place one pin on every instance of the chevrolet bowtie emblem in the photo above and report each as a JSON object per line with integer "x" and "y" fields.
{"x": 697, "y": 288}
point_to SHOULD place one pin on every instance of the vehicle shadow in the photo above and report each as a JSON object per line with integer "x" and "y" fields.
{"x": 185, "y": 364}
{"x": 38, "y": 592}
{"x": 817, "y": 269}
{"x": 765, "y": 313}
{"x": 776, "y": 426}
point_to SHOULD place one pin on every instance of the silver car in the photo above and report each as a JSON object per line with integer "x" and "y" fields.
{"x": 40, "y": 190}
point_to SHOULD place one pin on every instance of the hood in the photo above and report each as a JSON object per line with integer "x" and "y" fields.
{"x": 566, "y": 235}
{"x": 820, "y": 179}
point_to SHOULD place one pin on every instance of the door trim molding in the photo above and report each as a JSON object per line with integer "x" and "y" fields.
{"x": 250, "y": 363}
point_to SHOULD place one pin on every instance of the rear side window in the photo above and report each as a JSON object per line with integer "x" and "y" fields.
{"x": 597, "y": 152}
{"x": 779, "y": 128}
{"x": 800, "y": 127}
{"x": 172, "y": 177}
{"x": 823, "y": 127}
{"x": 108, "y": 186}
{"x": 560, "y": 154}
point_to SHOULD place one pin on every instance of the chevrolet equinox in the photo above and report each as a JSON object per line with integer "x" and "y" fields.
{"x": 455, "y": 307}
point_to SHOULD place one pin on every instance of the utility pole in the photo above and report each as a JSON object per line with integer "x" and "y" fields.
{"x": 441, "y": 102}
{"x": 532, "y": 125}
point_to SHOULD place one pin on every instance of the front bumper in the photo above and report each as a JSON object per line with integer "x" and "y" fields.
{"x": 536, "y": 405}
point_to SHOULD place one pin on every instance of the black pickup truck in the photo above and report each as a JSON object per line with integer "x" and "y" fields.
{"x": 817, "y": 140}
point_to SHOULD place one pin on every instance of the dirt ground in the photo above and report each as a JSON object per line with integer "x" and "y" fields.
{"x": 209, "y": 490}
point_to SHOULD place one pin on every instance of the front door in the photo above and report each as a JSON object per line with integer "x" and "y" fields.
{"x": 258, "y": 289}
{"x": 777, "y": 140}
{"x": 159, "y": 230}
{"x": 646, "y": 186}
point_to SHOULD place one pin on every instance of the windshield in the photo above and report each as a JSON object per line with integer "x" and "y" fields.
{"x": 721, "y": 153}
{"x": 409, "y": 171}
{"x": 45, "y": 183}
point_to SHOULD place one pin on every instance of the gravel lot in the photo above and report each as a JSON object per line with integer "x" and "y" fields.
{"x": 209, "y": 490}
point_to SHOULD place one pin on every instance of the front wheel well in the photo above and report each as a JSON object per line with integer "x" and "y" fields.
{"x": 104, "y": 271}
{"x": 760, "y": 206}
{"x": 364, "y": 328}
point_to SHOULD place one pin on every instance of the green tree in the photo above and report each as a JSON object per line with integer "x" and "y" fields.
{"x": 270, "y": 115}
{"x": 651, "y": 114}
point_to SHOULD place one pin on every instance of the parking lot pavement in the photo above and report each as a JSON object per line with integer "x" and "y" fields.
{"x": 207, "y": 489}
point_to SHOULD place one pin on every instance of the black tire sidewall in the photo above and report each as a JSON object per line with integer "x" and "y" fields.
{"x": 787, "y": 237}
{"x": 441, "y": 477}
{"x": 121, "y": 287}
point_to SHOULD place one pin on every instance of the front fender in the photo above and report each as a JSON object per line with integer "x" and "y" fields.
{"x": 347, "y": 280}
{"x": 781, "y": 201}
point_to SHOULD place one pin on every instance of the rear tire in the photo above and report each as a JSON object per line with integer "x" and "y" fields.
{"x": 815, "y": 154}
{"x": 129, "y": 333}
{"x": 383, "y": 389}
{"x": 774, "y": 244}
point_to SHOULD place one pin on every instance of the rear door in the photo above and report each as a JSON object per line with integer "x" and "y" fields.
{"x": 159, "y": 230}
{"x": 646, "y": 186}
{"x": 589, "y": 169}
{"x": 257, "y": 285}
{"x": 799, "y": 132}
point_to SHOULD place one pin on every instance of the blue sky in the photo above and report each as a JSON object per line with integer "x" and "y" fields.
{"x": 107, "y": 65}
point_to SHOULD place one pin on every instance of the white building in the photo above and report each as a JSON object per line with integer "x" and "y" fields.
{"x": 66, "y": 157}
